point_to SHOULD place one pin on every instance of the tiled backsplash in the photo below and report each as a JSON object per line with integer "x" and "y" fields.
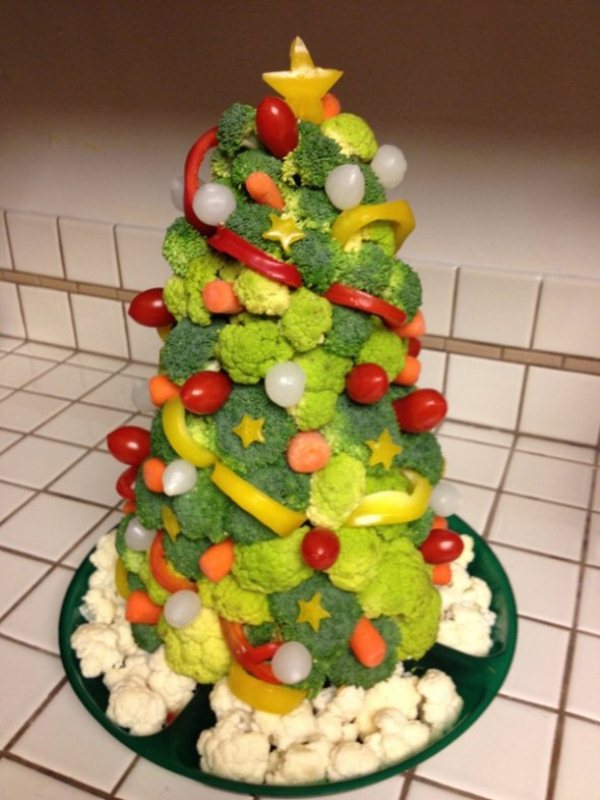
{"x": 512, "y": 350}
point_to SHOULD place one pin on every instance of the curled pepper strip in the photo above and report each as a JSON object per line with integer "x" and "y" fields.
{"x": 261, "y": 695}
{"x": 162, "y": 571}
{"x": 280, "y": 519}
{"x": 353, "y": 219}
{"x": 228, "y": 242}
{"x": 251, "y": 658}
{"x": 180, "y": 439}
{"x": 193, "y": 162}
{"x": 390, "y": 507}
{"x": 348, "y": 296}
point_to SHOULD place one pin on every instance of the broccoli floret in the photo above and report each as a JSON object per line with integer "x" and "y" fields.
{"x": 250, "y": 348}
{"x": 380, "y": 233}
{"x": 146, "y": 636}
{"x": 149, "y": 504}
{"x": 356, "y": 564}
{"x": 184, "y": 552}
{"x": 220, "y": 166}
{"x": 346, "y": 670}
{"x": 261, "y": 295}
{"x": 134, "y": 582}
{"x": 181, "y": 245}
{"x": 183, "y": 296}
{"x": 201, "y": 511}
{"x": 325, "y": 374}
{"x": 367, "y": 268}
{"x": 313, "y": 158}
{"x": 353, "y": 424}
{"x": 313, "y": 256}
{"x": 203, "y": 431}
{"x": 416, "y": 531}
{"x": 251, "y": 220}
{"x": 386, "y": 349}
{"x": 260, "y": 634}
{"x": 120, "y": 545}
{"x": 381, "y": 479}
{"x": 353, "y": 135}
{"x": 336, "y": 490}
{"x": 188, "y": 348}
{"x": 349, "y": 331}
{"x": 307, "y": 320}
{"x": 160, "y": 447}
{"x": 310, "y": 208}
{"x": 277, "y": 429}
{"x": 283, "y": 484}
{"x": 244, "y": 528}
{"x": 421, "y": 452}
{"x": 254, "y": 161}
{"x": 404, "y": 289}
{"x": 374, "y": 191}
{"x": 271, "y": 566}
{"x": 236, "y": 127}
{"x": 233, "y": 602}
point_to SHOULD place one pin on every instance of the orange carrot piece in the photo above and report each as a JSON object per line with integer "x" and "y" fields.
{"x": 367, "y": 644}
{"x": 263, "y": 189}
{"x": 129, "y": 507}
{"x": 152, "y": 472}
{"x": 413, "y": 329}
{"x": 217, "y": 561}
{"x": 331, "y": 106}
{"x": 439, "y": 523}
{"x": 410, "y": 373}
{"x": 308, "y": 451}
{"x": 140, "y": 609}
{"x": 219, "y": 298}
{"x": 442, "y": 574}
{"x": 161, "y": 389}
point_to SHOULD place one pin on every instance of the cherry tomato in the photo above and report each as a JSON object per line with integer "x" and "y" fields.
{"x": 276, "y": 126}
{"x": 320, "y": 548}
{"x": 129, "y": 444}
{"x": 148, "y": 308}
{"x": 367, "y": 383}
{"x": 441, "y": 546}
{"x": 126, "y": 483}
{"x": 205, "y": 392}
{"x": 414, "y": 346}
{"x": 420, "y": 410}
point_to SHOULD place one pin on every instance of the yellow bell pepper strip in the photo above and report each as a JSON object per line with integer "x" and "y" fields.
{"x": 391, "y": 507}
{"x": 280, "y": 519}
{"x": 348, "y": 296}
{"x": 121, "y": 584}
{"x": 191, "y": 181}
{"x": 170, "y": 522}
{"x": 180, "y": 439}
{"x": 274, "y": 699}
{"x": 353, "y": 219}
{"x": 230, "y": 243}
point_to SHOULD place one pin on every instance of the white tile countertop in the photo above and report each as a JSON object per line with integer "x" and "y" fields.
{"x": 535, "y": 500}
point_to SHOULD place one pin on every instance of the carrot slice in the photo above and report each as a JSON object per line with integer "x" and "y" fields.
{"x": 331, "y": 106}
{"x": 410, "y": 373}
{"x": 414, "y": 328}
{"x": 442, "y": 574}
{"x": 439, "y": 522}
{"x": 219, "y": 298}
{"x": 263, "y": 189}
{"x": 161, "y": 389}
{"x": 367, "y": 644}
{"x": 308, "y": 451}
{"x": 217, "y": 561}
{"x": 152, "y": 471}
{"x": 140, "y": 609}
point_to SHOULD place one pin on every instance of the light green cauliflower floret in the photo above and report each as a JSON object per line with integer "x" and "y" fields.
{"x": 358, "y": 558}
{"x": 261, "y": 295}
{"x": 307, "y": 320}
{"x": 353, "y": 135}
{"x": 419, "y": 632}
{"x": 386, "y": 349}
{"x": 133, "y": 560}
{"x": 314, "y": 410}
{"x": 250, "y": 348}
{"x": 325, "y": 379}
{"x": 197, "y": 650}
{"x": 157, "y": 593}
{"x": 336, "y": 490}
{"x": 183, "y": 295}
{"x": 232, "y": 601}
{"x": 275, "y": 565}
{"x": 175, "y": 297}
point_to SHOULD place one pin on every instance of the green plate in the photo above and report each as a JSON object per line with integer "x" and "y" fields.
{"x": 478, "y": 681}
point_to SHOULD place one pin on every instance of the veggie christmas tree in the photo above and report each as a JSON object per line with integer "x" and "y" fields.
{"x": 279, "y": 527}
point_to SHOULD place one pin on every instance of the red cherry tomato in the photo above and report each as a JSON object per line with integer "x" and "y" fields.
{"x": 276, "y": 126}
{"x": 320, "y": 548}
{"x": 148, "y": 308}
{"x": 441, "y": 546}
{"x": 126, "y": 483}
{"x": 420, "y": 410}
{"x": 129, "y": 444}
{"x": 205, "y": 392}
{"x": 414, "y": 346}
{"x": 367, "y": 383}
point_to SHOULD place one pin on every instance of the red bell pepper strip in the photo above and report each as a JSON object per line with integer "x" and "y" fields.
{"x": 252, "y": 659}
{"x": 228, "y": 242}
{"x": 348, "y": 296}
{"x": 193, "y": 162}
{"x": 162, "y": 571}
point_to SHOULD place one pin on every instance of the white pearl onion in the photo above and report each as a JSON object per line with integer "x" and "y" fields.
{"x": 213, "y": 203}
{"x": 292, "y": 662}
{"x": 182, "y": 608}
{"x": 345, "y": 186}
{"x": 137, "y": 537}
{"x": 179, "y": 477}
{"x": 445, "y": 499}
{"x": 177, "y": 193}
{"x": 284, "y": 384}
{"x": 389, "y": 165}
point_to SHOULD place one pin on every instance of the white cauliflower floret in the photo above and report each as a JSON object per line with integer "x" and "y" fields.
{"x": 467, "y": 628}
{"x": 300, "y": 763}
{"x": 134, "y": 666}
{"x": 323, "y": 698}
{"x": 97, "y": 648}
{"x": 97, "y": 606}
{"x": 478, "y": 593}
{"x": 396, "y": 692}
{"x": 285, "y": 730}
{"x": 350, "y": 759}
{"x": 133, "y": 705}
{"x": 230, "y": 749}
{"x": 347, "y": 702}
{"x": 105, "y": 554}
{"x": 333, "y": 728}
{"x": 468, "y": 553}
{"x": 223, "y": 700}
{"x": 441, "y": 703}
{"x": 176, "y": 690}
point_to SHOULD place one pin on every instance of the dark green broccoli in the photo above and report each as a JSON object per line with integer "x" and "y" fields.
{"x": 421, "y": 452}
{"x": 149, "y": 504}
{"x": 146, "y": 636}
{"x": 220, "y": 167}
{"x": 260, "y": 634}
{"x": 201, "y": 510}
{"x": 183, "y": 553}
{"x": 374, "y": 191}
{"x": 120, "y": 545}
{"x": 251, "y": 220}
{"x": 244, "y": 528}
{"x": 417, "y": 530}
{"x": 404, "y": 289}
{"x": 135, "y": 583}
{"x": 188, "y": 348}
{"x": 313, "y": 158}
{"x": 290, "y": 488}
{"x": 249, "y": 161}
{"x": 368, "y": 268}
{"x": 349, "y": 331}
{"x": 277, "y": 429}
{"x": 160, "y": 447}
{"x": 353, "y": 424}
{"x": 182, "y": 244}
{"x": 313, "y": 256}
{"x": 346, "y": 670}
{"x": 310, "y": 208}
{"x": 236, "y": 127}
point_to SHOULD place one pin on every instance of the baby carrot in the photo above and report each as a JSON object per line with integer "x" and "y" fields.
{"x": 161, "y": 389}
{"x": 410, "y": 373}
{"x": 217, "y": 561}
{"x": 414, "y": 328}
{"x": 442, "y": 574}
{"x": 140, "y": 609}
{"x": 152, "y": 471}
{"x": 263, "y": 189}
{"x": 308, "y": 451}
{"x": 439, "y": 522}
{"x": 331, "y": 106}
{"x": 367, "y": 644}
{"x": 219, "y": 298}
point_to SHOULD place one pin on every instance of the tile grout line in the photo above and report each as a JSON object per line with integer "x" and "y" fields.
{"x": 59, "y": 776}
{"x": 38, "y": 711}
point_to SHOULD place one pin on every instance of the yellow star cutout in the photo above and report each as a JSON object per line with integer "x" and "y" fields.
{"x": 383, "y": 450}
{"x": 250, "y": 430}
{"x": 285, "y": 231}
{"x": 304, "y": 85}
{"x": 312, "y": 611}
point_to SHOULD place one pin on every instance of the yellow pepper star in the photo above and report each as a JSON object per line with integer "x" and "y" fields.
{"x": 312, "y": 611}
{"x": 285, "y": 231}
{"x": 250, "y": 430}
{"x": 304, "y": 85}
{"x": 383, "y": 450}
